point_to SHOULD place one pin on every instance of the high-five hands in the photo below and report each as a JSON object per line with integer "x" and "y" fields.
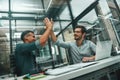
{"x": 48, "y": 23}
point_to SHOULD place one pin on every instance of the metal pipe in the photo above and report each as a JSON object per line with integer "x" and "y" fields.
{"x": 88, "y": 9}
{"x": 10, "y": 29}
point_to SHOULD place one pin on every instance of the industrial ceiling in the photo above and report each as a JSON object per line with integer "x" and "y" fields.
{"x": 28, "y": 14}
{"x": 31, "y": 9}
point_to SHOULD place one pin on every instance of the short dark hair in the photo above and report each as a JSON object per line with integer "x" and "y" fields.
{"x": 84, "y": 30}
{"x": 25, "y": 33}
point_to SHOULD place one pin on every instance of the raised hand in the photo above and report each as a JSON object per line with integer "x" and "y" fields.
{"x": 48, "y": 23}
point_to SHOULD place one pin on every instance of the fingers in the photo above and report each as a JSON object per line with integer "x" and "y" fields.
{"x": 46, "y": 20}
{"x": 48, "y": 23}
{"x": 51, "y": 21}
{"x": 85, "y": 59}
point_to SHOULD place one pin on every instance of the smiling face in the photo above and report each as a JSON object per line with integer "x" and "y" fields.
{"x": 78, "y": 34}
{"x": 30, "y": 37}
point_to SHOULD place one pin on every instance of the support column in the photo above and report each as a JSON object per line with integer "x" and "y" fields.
{"x": 108, "y": 26}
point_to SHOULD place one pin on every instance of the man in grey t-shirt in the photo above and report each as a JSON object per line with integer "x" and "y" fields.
{"x": 81, "y": 49}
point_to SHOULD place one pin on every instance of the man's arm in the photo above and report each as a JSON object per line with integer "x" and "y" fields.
{"x": 87, "y": 59}
{"x": 53, "y": 36}
{"x": 44, "y": 37}
{"x": 58, "y": 42}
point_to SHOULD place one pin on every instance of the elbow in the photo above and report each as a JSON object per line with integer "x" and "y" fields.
{"x": 42, "y": 44}
{"x": 93, "y": 57}
{"x": 43, "y": 41}
{"x": 54, "y": 40}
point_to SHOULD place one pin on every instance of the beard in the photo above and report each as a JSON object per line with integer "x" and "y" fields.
{"x": 77, "y": 37}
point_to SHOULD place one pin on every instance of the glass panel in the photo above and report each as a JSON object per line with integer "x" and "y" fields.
{"x": 29, "y": 10}
{"x": 104, "y": 7}
{"x": 3, "y": 15}
{"x": 68, "y": 34}
{"x": 90, "y": 18}
{"x": 115, "y": 9}
{"x": 116, "y": 26}
{"x": 4, "y": 5}
{"x": 118, "y": 1}
{"x": 64, "y": 15}
{"x": 78, "y": 7}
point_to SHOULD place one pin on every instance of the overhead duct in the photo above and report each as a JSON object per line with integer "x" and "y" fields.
{"x": 56, "y": 7}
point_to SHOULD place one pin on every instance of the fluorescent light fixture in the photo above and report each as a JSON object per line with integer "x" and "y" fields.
{"x": 26, "y": 7}
{"x": 49, "y": 5}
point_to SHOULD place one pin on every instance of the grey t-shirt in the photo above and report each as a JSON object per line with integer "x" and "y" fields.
{"x": 87, "y": 49}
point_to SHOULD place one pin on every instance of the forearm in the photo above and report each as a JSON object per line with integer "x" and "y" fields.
{"x": 53, "y": 37}
{"x": 59, "y": 43}
{"x": 44, "y": 37}
{"x": 46, "y": 34}
{"x": 92, "y": 58}
{"x": 86, "y": 59}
